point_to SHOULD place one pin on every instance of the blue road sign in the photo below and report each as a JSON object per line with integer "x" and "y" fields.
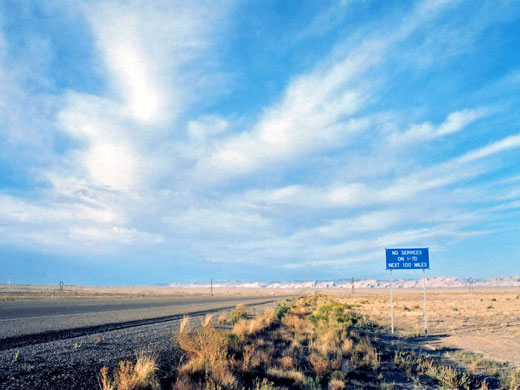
{"x": 408, "y": 258}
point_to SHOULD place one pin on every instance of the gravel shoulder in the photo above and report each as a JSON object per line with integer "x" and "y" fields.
{"x": 74, "y": 362}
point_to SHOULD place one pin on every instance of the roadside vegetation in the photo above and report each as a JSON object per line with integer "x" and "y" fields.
{"x": 309, "y": 343}
{"x": 130, "y": 376}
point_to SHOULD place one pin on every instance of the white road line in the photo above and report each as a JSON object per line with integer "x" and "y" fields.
{"x": 70, "y": 315}
{"x": 112, "y": 311}
{"x": 93, "y": 312}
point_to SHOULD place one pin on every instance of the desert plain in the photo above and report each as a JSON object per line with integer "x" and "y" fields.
{"x": 54, "y": 338}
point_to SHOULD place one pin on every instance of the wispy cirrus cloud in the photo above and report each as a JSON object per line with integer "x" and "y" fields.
{"x": 381, "y": 141}
{"x": 144, "y": 48}
{"x": 320, "y": 110}
{"x": 502, "y": 145}
{"x": 456, "y": 121}
{"x": 142, "y": 53}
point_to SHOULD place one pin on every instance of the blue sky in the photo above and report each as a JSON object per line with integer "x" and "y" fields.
{"x": 156, "y": 142}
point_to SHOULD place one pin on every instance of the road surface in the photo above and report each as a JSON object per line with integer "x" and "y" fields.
{"x": 23, "y": 319}
{"x": 54, "y": 345}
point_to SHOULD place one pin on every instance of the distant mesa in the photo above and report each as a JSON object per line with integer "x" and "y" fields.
{"x": 436, "y": 282}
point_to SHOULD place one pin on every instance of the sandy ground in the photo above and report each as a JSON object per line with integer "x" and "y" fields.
{"x": 482, "y": 321}
{"x": 21, "y": 291}
{"x": 504, "y": 349}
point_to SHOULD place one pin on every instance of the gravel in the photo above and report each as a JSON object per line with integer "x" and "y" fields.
{"x": 74, "y": 362}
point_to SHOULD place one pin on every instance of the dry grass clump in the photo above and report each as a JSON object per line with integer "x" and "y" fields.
{"x": 295, "y": 344}
{"x": 287, "y": 362}
{"x": 184, "y": 325}
{"x": 448, "y": 376}
{"x": 205, "y": 344}
{"x": 207, "y": 351}
{"x": 311, "y": 343}
{"x": 240, "y": 329}
{"x": 240, "y": 313}
{"x": 512, "y": 380}
{"x": 300, "y": 310}
{"x": 347, "y": 346}
{"x": 369, "y": 353}
{"x": 206, "y": 321}
{"x": 292, "y": 375}
{"x": 336, "y": 384}
{"x": 294, "y": 321}
{"x": 320, "y": 364}
{"x": 257, "y": 325}
{"x": 247, "y": 357}
{"x": 222, "y": 319}
{"x": 262, "y": 322}
{"x": 129, "y": 376}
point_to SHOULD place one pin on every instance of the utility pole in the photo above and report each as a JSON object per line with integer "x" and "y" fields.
{"x": 211, "y": 284}
{"x": 352, "y": 285}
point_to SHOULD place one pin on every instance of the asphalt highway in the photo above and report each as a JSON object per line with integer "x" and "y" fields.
{"x": 62, "y": 344}
{"x": 26, "y": 318}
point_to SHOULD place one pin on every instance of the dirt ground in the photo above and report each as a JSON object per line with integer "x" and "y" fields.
{"x": 486, "y": 322}
{"x": 30, "y": 292}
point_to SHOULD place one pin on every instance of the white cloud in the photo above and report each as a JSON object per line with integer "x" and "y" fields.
{"x": 458, "y": 120}
{"x": 108, "y": 158}
{"x": 141, "y": 149}
{"x": 336, "y": 263}
{"x": 399, "y": 190}
{"x": 111, "y": 165}
{"x": 218, "y": 222}
{"x": 510, "y": 142}
{"x": 145, "y": 50}
{"x": 316, "y": 112}
{"x": 15, "y": 210}
{"x": 96, "y": 184}
{"x": 67, "y": 224}
{"x": 455, "y": 122}
{"x": 113, "y": 234}
{"x": 371, "y": 221}
{"x": 144, "y": 46}
{"x": 204, "y": 128}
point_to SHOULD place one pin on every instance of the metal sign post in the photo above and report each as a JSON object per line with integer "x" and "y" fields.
{"x": 392, "y": 301}
{"x": 408, "y": 258}
{"x": 425, "y": 311}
